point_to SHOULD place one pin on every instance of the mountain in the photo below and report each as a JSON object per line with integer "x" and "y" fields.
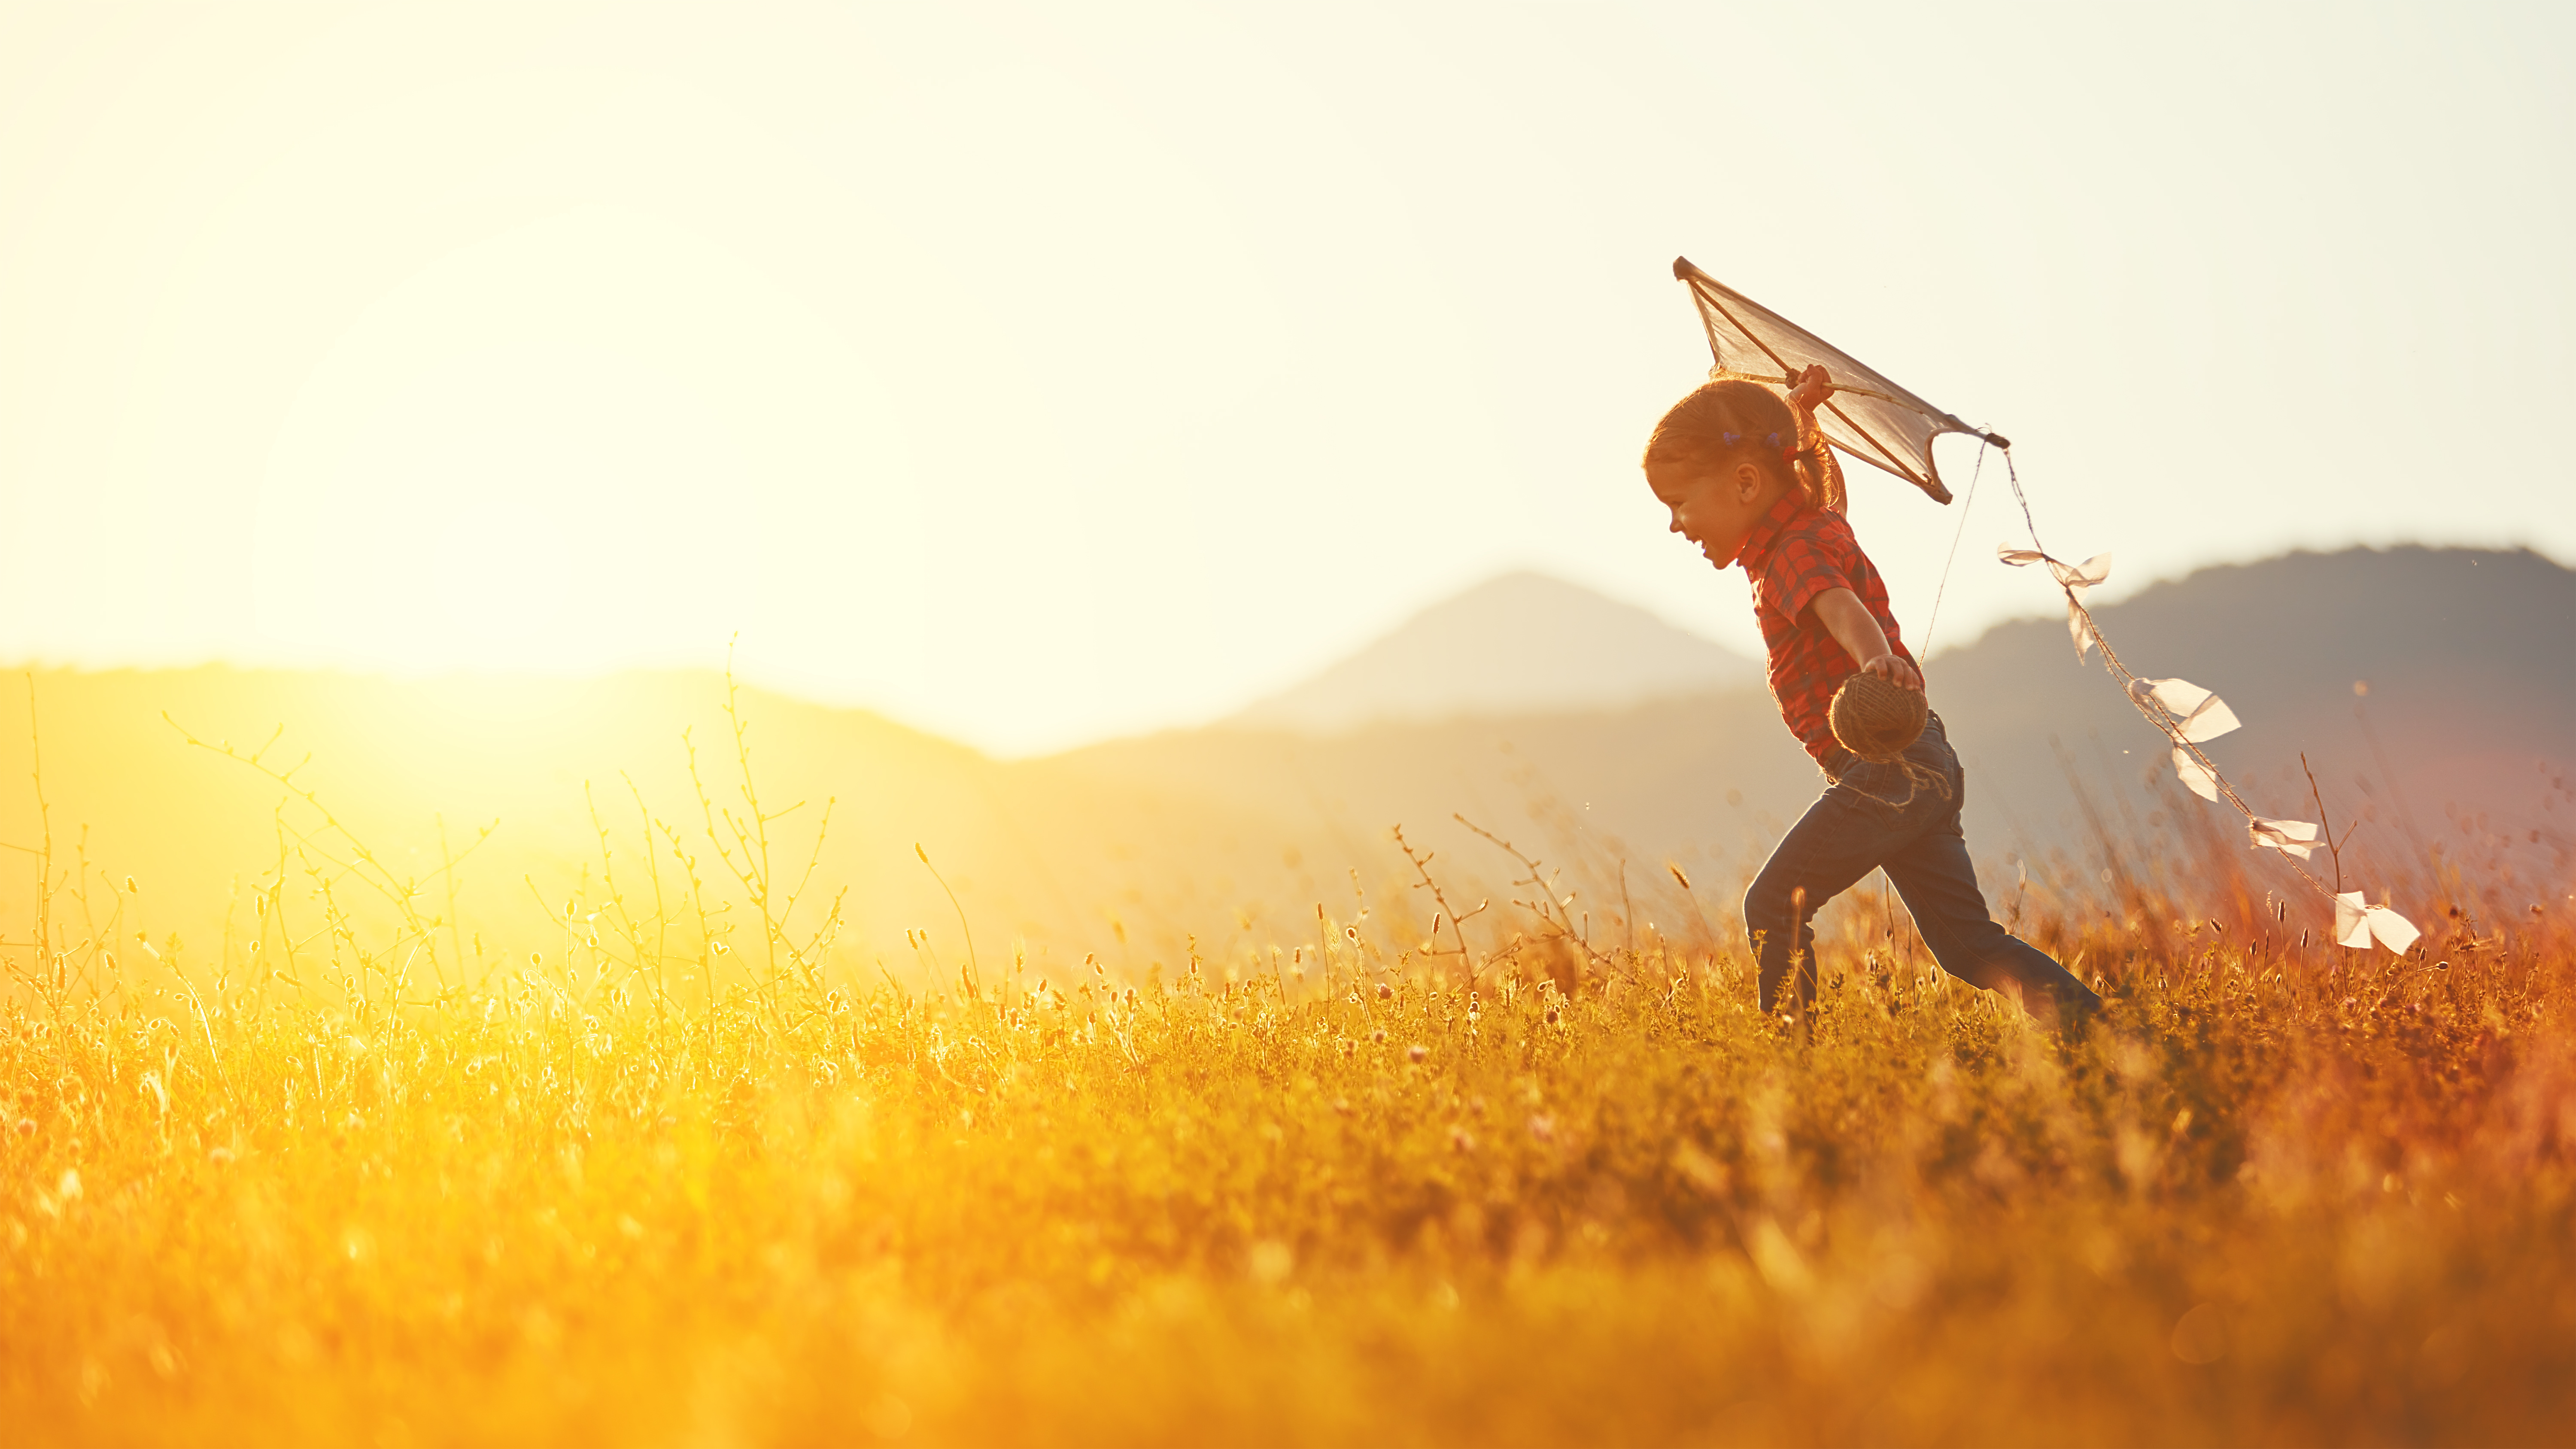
{"x": 1518, "y": 644}
{"x": 2418, "y": 682}
{"x": 2466, "y": 733}
{"x": 1230, "y": 839}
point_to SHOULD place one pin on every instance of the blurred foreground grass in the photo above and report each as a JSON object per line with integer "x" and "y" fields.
{"x": 2279, "y": 1197}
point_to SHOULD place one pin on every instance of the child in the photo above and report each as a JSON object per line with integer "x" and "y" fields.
{"x": 1751, "y": 482}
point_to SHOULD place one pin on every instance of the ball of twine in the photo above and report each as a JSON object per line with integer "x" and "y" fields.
{"x": 1875, "y": 719}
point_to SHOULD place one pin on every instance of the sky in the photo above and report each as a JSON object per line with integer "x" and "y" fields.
{"x": 1038, "y": 373}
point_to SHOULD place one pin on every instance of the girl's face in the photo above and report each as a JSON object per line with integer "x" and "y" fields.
{"x": 1714, "y": 505}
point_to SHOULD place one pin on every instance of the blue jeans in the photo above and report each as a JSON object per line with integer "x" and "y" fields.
{"x": 1877, "y": 815}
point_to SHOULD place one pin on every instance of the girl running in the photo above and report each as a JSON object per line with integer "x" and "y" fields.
{"x": 1750, "y": 480}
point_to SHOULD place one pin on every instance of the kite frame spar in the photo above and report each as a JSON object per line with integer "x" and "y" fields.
{"x": 1906, "y": 451}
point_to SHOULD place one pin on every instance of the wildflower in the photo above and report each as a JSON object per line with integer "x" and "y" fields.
{"x": 1384, "y": 991}
{"x": 1416, "y": 1053}
{"x": 1542, "y": 1127}
{"x": 1461, "y": 1140}
{"x": 1378, "y": 1037}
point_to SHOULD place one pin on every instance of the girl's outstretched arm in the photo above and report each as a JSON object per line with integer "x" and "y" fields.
{"x": 1849, "y": 621}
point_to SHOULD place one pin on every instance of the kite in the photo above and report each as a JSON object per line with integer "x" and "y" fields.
{"x": 1868, "y": 417}
{"x": 1871, "y": 418}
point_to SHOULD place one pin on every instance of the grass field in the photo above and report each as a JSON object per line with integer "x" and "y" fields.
{"x": 677, "y": 1174}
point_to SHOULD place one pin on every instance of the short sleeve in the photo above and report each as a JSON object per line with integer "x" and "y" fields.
{"x": 1801, "y": 569}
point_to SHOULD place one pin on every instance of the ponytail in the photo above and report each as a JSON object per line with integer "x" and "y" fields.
{"x": 1811, "y": 460}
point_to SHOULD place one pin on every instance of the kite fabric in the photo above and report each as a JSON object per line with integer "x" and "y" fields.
{"x": 1868, "y": 417}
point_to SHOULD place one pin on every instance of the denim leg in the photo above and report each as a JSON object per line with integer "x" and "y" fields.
{"x": 1939, "y": 887}
{"x": 1840, "y": 839}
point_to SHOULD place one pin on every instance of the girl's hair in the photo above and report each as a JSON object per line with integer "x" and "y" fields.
{"x": 1721, "y": 423}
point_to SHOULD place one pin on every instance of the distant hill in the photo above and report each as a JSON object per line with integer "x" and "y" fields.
{"x": 2471, "y": 700}
{"x": 1517, "y": 644}
{"x": 2470, "y": 681}
{"x": 1227, "y": 839}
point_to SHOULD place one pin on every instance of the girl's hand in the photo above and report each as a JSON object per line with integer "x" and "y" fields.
{"x": 1814, "y": 386}
{"x": 1893, "y": 668}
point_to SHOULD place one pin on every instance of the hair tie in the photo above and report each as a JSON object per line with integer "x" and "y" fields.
{"x": 1788, "y": 451}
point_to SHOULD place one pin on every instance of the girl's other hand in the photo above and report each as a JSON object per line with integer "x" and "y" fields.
{"x": 1814, "y": 386}
{"x": 1893, "y": 668}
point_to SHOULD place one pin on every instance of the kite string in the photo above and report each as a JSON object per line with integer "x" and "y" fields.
{"x": 2021, "y": 498}
{"x": 1961, "y": 532}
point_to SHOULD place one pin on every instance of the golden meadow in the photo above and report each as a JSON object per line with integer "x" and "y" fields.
{"x": 331, "y": 1120}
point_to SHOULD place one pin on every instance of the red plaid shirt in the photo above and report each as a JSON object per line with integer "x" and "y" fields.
{"x": 1794, "y": 555}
